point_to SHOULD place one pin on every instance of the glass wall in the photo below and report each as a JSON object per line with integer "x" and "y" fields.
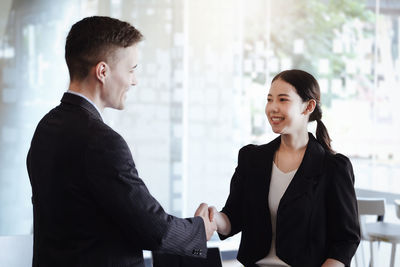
{"x": 204, "y": 74}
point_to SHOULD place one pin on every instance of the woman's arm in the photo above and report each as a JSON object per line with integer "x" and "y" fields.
{"x": 332, "y": 263}
{"x": 343, "y": 227}
{"x": 222, "y": 221}
{"x": 233, "y": 210}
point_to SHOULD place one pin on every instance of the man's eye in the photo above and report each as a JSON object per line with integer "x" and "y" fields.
{"x": 269, "y": 100}
{"x": 283, "y": 99}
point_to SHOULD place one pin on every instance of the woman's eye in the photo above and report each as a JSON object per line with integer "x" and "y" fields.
{"x": 269, "y": 100}
{"x": 283, "y": 99}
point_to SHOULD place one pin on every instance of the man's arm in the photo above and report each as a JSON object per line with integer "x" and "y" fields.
{"x": 114, "y": 184}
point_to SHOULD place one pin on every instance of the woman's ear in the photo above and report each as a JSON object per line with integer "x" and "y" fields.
{"x": 101, "y": 71}
{"x": 310, "y": 107}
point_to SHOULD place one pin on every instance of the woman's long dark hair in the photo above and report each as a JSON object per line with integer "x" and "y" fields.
{"x": 307, "y": 88}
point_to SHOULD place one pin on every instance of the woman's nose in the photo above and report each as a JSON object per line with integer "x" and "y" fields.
{"x": 271, "y": 106}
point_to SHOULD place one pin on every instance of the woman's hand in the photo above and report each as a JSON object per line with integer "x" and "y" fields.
{"x": 222, "y": 221}
{"x": 332, "y": 263}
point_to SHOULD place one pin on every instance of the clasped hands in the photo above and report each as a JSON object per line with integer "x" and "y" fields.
{"x": 213, "y": 220}
{"x": 207, "y": 214}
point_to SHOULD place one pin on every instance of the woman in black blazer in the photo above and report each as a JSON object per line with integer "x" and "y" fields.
{"x": 293, "y": 199}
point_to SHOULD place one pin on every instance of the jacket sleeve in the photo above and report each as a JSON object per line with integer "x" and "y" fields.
{"x": 114, "y": 184}
{"x": 343, "y": 224}
{"x": 234, "y": 204}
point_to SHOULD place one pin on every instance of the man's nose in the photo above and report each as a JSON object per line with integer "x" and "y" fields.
{"x": 134, "y": 81}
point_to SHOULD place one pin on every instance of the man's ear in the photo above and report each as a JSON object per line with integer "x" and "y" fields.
{"x": 310, "y": 107}
{"x": 101, "y": 71}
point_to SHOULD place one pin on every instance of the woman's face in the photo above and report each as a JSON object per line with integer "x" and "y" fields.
{"x": 285, "y": 110}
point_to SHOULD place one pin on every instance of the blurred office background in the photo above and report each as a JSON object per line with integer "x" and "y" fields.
{"x": 204, "y": 74}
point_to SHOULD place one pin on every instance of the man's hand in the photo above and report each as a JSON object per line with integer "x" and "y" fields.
{"x": 209, "y": 224}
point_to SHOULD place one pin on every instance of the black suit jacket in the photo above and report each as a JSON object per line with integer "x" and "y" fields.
{"x": 317, "y": 216}
{"x": 90, "y": 206}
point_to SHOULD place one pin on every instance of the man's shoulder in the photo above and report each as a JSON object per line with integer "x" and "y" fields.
{"x": 77, "y": 115}
{"x": 75, "y": 121}
{"x": 100, "y": 134}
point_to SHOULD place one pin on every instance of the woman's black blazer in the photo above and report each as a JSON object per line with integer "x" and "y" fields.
{"x": 317, "y": 216}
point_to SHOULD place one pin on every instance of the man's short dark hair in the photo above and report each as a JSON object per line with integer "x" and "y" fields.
{"x": 94, "y": 39}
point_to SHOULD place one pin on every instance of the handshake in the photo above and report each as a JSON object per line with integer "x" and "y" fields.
{"x": 213, "y": 220}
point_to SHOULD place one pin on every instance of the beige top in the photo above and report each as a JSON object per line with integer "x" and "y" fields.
{"x": 278, "y": 185}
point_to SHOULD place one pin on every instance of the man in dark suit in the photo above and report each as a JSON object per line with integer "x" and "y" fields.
{"x": 90, "y": 206}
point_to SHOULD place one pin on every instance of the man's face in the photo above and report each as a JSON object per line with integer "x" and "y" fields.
{"x": 121, "y": 76}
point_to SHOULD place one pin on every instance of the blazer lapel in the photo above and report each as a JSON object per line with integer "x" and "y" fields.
{"x": 262, "y": 168}
{"x": 308, "y": 173}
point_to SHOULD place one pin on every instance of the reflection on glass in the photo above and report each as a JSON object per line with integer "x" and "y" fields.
{"x": 204, "y": 75}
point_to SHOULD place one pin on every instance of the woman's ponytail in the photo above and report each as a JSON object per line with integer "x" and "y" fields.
{"x": 323, "y": 136}
{"x": 321, "y": 132}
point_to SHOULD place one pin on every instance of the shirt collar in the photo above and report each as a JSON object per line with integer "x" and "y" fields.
{"x": 87, "y": 99}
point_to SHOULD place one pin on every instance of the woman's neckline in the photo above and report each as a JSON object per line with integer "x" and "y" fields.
{"x": 285, "y": 173}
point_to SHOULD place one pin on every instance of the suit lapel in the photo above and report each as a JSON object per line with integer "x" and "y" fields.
{"x": 262, "y": 164}
{"x": 308, "y": 173}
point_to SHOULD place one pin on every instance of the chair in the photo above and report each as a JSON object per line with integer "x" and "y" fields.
{"x": 377, "y": 231}
{"x": 167, "y": 260}
{"x": 16, "y": 251}
{"x": 397, "y": 207}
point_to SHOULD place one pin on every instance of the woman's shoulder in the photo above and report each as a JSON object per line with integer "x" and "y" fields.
{"x": 253, "y": 148}
{"x": 248, "y": 148}
{"x": 338, "y": 160}
{"x": 340, "y": 166}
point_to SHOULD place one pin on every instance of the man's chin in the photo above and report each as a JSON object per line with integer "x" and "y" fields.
{"x": 121, "y": 106}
